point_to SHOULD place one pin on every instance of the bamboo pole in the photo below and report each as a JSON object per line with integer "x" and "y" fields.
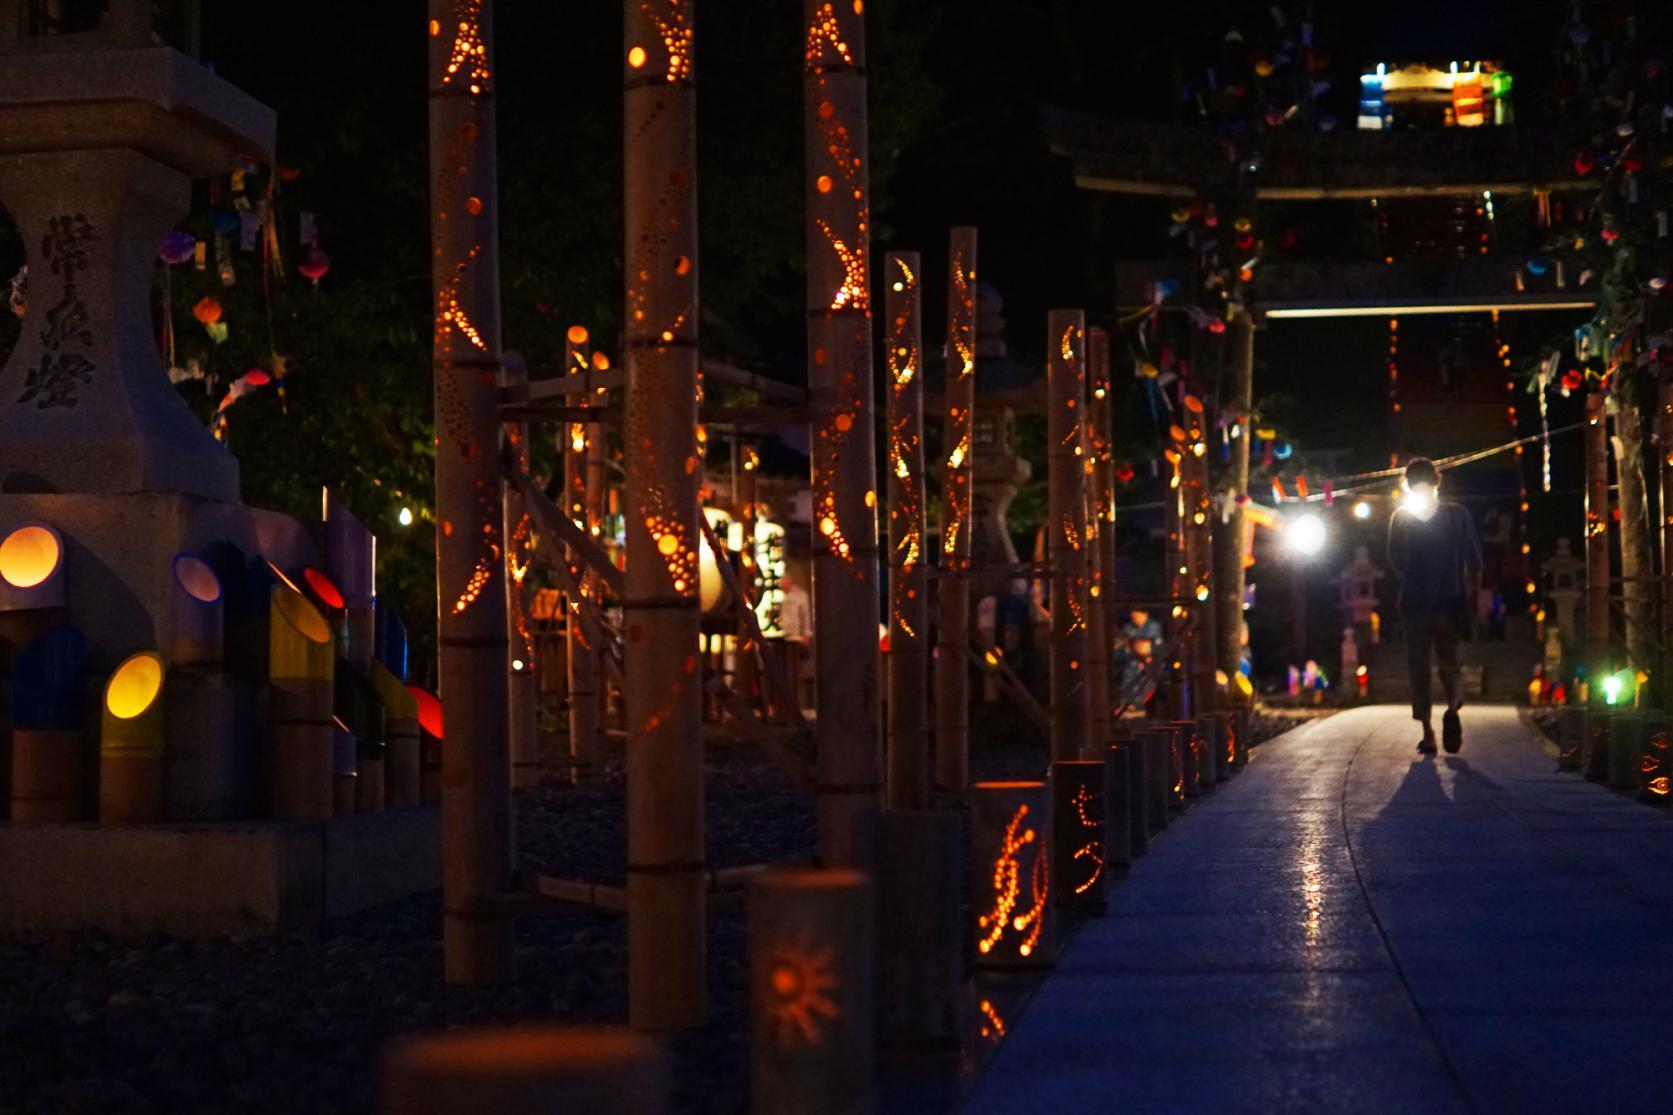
{"x": 747, "y": 477}
{"x": 1638, "y": 590}
{"x": 1597, "y": 541}
{"x": 1102, "y": 621}
{"x": 1010, "y": 875}
{"x": 840, "y": 388}
{"x": 522, "y": 710}
{"x": 952, "y": 672}
{"x": 909, "y": 741}
{"x": 1237, "y": 402}
{"x": 1174, "y": 680}
{"x": 664, "y": 705}
{"x": 1197, "y": 526}
{"x": 470, "y": 544}
{"x": 1065, "y": 410}
{"x": 1664, "y": 443}
{"x": 581, "y": 657}
{"x": 1080, "y": 834}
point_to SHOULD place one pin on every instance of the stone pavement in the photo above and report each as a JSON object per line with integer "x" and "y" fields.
{"x": 1348, "y": 926}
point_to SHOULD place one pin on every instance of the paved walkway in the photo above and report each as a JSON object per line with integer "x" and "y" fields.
{"x": 1348, "y": 927}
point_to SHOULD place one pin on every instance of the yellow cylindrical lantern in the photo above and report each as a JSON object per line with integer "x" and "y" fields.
{"x": 31, "y": 568}
{"x": 401, "y": 761}
{"x": 301, "y": 673}
{"x": 132, "y": 775}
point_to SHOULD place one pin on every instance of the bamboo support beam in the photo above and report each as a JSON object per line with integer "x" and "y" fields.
{"x": 1236, "y": 403}
{"x": 1176, "y": 576}
{"x": 1066, "y": 532}
{"x": 576, "y": 444}
{"x": 1197, "y": 526}
{"x": 952, "y": 672}
{"x": 1597, "y": 538}
{"x": 1102, "y": 619}
{"x": 1664, "y": 446}
{"x": 477, "y": 845}
{"x": 664, "y": 459}
{"x": 522, "y": 694}
{"x": 746, "y": 495}
{"x": 840, "y": 390}
{"x": 908, "y": 660}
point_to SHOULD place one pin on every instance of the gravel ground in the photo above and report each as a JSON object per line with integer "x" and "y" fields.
{"x": 296, "y": 1023}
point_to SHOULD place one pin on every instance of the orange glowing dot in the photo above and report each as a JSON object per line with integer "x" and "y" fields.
{"x": 871, "y": 498}
{"x": 667, "y": 544}
{"x": 577, "y": 334}
{"x": 473, "y": 206}
{"x": 636, "y": 57}
{"x": 844, "y": 423}
{"x": 827, "y": 526}
{"x": 601, "y": 361}
{"x": 435, "y": 27}
{"x": 667, "y": 337}
{"x": 823, "y": 183}
{"x": 682, "y": 266}
{"x": 826, "y": 108}
{"x": 784, "y": 980}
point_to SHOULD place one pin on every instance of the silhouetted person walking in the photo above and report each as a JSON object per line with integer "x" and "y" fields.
{"x": 1434, "y": 549}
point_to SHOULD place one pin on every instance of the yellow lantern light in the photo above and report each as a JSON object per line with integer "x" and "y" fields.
{"x": 301, "y": 677}
{"x": 31, "y": 569}
{"x": 131, "y": 742}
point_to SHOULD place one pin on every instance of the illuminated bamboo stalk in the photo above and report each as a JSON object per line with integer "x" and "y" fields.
{"x": 522, "y": 708}
{"x": 1664, "y": 443}
{"x": 840, "y": 388}
{"x": 470, "y": 542}
{"x": 582, "y": 657}
{"x": 747, "y": 477}
{"x": 952, "y": 671}
{"x": 1638, "y": 600}
{"x": 1174, "y": 679}
{"x": 1597, "y": 538}
{"x": 1066, "y": 532}
{"x": 1197, "y": 526}
{"x": 1236, "y": 403}
{"x": 664, "y": 703}
{"x": 909, "y": 743}
{"x": 1010, "y": 875}
{"x": 1102, "y": 620}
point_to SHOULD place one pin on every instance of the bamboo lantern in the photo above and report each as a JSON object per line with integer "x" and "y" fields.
{"x": 1208, "y": 750}
{"x": 908, "y": 660}
{"x": 1138, "y": 796}
{"x": 402, "y": 765}
{"x": 952, "y": 668}
{"x": 1197, "y": 526}
{"x": 47, "y": 769}
{"x": 392, "y": 641}
{"x": 351, "y": 559}
{"x": 1102, "y": 619}
{"x": 1190, "y": 757}
{"x": 1123, "y": 774}
{"x": 132, "y": 766}
{"x": 812, "y": 987}
{"x": 322, "y": 592}
{"x": 1626, "y": 748}
{"x": 523, "y": 696}
{"x": 1243, "y": 720}
{"x": 212, "y": 723}
{"x": 1655, "y": 764}
{"x": 1080, "y": 810}
{"x": 920, "y": 956}
{"x": 247, "y": 605}
{"x": 344, "y": 749}
{"x": 747, "y": 496}
{"x": 430, "y": 744}
{"x": 481, "y": 1071}
{"x": 1156, "y": 743}
{"x": 300, "y": 696}
{"x": 1010, "y": 875}
{"x": 841, "y": 384}
{"x": 198, "y": 614}
{"x": 1596, "y": 449}
{"x": 1594, "y": 756}
{"x": 579, "y": 441}
{"x": 477, "y": 847}
{"x": 1664, "y": 441}
{"x": 1571, "y": 737}
{"x": 1065, "y": 411}
{"x": 1228, "y": 740}
{"x": 32, "y": 586}
{"x": 664, "y": 468}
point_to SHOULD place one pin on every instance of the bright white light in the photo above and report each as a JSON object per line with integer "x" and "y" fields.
{"x": 404, "y": 517}
{"x": 1419, "y": 501}
{"x": 1362, "y": 510}
{"x": 1305, "y": 534}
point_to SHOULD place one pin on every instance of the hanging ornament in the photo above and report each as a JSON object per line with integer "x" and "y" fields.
{"x": 207, "y": 310}
{"x": 1584, "y": 163}
{"x": 314, "y": 263}
{"x": 177, "y": 247}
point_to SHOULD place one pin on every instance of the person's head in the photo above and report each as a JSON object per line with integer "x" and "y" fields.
{"x": 1421, "y": 470}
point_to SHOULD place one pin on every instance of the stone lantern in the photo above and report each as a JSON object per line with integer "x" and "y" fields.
{"x": 105, "y": 120}
{"x": 1567, "y": 571}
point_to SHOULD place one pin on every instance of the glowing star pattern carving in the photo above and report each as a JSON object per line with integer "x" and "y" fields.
{"x": 961, "y": 342}
{"x": 450, "y": 313}
{"x": 672, "y": 20}
{"x": 904, "y": 361}
{"x": 801, "y": 981}
{"x": 1007, "y": 889}
{"x": 826, "y": 47}
{"x": 826, "y": 31}
{"x": 468, "y": 58}
{"x": 678, "y": 553}
{"x": 852, "y": 294}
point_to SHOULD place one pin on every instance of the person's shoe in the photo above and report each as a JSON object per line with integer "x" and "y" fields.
{"x": 1426, "y": 746}
{"x": 1452, "y": 732}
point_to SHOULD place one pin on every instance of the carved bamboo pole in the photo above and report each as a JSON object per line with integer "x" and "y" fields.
{"x": 1177, "y": 684}
{"x": 1237, "y": 401}
{"x": 522, "y": 710}
{"x": 1065, "y": 409}
{"x": 470, "y": 540}
{"x": 840, "y": 387}
{"x": 576, "y": 442}
{"x": 952, "y": 670}
{"x": 1197, "y": 524}
{"x": 1638, "y": 599}
{"x": 664, "y": 704}
{"x": 598, "y": 503}
{"x": 1597, "y": 539}
{"x": 908, "y": 782}
{"x": 747, "y": 477}
{"x": 1664, "y": 443}
{"x": 1100, "y": 529}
